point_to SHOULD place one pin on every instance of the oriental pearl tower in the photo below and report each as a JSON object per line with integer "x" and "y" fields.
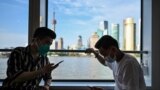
{"x": 54, "y": 22}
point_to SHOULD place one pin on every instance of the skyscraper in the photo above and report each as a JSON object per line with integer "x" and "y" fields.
{"x": 60, "y": 43}
{"x": 103, "y": 25}
{"x": 115, "y": 31}
{"x": 79, "y": 42}
{"x": 129, "y": 34}
{"x": 100, "y": 33}
{"x": 138, "y": 39}
{"x": 93, "y": 39}
{"x": 56, "y": 45}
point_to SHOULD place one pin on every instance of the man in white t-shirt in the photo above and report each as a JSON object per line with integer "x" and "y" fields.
{"x": 127, "y": 71}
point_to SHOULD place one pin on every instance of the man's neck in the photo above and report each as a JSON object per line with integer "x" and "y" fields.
{"x": 119, "y": 56}
{"x": 34, "y": 51}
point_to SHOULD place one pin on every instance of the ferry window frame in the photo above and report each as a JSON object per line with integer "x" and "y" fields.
{"x": 141, "y": 52}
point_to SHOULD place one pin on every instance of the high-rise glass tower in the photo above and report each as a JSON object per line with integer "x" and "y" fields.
{"x": 103, "y": 26}
{"x": 115, "y": 31}
{"x": 79, "y": 42}
{"x": 138, "y": 45}
{"x": 129, "y": 34}
{"x": 100, "y": 33}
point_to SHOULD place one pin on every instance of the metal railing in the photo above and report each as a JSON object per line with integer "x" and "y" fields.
{"x": 80, "y": 51}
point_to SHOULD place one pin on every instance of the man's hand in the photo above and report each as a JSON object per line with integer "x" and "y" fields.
{"x": 48, "y": 68}
{"x": 90, "y": 50}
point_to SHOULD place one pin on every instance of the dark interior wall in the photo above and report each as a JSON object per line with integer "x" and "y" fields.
{"x": 155, "y": 45}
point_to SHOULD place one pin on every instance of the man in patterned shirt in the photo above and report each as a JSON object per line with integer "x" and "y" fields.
{"x": 27, "y": 66}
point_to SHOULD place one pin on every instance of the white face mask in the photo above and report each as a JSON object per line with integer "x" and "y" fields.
{"x": 109, "y": 59}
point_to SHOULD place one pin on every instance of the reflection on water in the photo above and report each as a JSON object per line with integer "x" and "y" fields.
{"x": 72, "y": 68}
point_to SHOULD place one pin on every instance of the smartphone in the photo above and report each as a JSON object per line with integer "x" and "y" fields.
{"x": 57, "y": 64}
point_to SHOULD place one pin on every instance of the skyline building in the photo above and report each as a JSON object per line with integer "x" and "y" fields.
{"x": 100, "y": 33}
{"x": 103, "y": 26}
{"x": 79, "y": 42}
{"x": 56, "y": 45}
{"x": 60, "y": 43}
{"x": 129, "y": 34}
{"x": 115, "y": 31}
{"x": 93, "y": 39}
{"x": 138, "y": 45}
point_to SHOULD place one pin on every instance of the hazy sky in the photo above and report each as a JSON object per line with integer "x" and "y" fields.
{"x": 74, "y": 18}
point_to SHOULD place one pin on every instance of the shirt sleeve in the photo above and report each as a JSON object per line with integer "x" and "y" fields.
{"x": 130, "y": 78}
{"x": 14, "y": 63}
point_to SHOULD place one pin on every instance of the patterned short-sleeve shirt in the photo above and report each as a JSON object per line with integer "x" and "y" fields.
{"x": 20, "y": 61}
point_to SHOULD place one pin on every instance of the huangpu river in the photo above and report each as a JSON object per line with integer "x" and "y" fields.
{"x": 73, "y": 68}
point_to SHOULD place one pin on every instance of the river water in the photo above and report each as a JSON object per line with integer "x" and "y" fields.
{"x": 77, "y": 68}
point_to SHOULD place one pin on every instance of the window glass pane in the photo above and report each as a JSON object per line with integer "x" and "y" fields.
{"x": 80, "y": 68}
{"x": 80, "y": 23}
{"x": 43, "y": 13}
{"x": 13, "y": 28}
{"x": 82, "y": 20}
{"x": 14, "y": 23}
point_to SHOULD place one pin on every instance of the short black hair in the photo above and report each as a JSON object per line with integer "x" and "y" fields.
{"x": 43, "y": 32}
{"x": 106, "y": 41}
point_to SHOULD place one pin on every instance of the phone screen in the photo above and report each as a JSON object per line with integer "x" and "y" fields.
{"x": 59, "y": 62}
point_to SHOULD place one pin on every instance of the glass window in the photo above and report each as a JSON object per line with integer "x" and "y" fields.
{"x": 43, "y": 13}
{"x": 80, "y": 23}
{"x": 13, "y": 28}
{"x": 77, "y": 22}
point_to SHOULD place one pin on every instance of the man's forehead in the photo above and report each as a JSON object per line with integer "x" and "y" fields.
{"x": 48, "y": 40}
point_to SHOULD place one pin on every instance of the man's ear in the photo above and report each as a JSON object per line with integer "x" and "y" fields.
{"x": 114, "y": 48}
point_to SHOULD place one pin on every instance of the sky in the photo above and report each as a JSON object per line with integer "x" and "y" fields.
{"x": 74, "y": 18}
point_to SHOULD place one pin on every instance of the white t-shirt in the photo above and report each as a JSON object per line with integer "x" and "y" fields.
{"x": 127, "y": 73}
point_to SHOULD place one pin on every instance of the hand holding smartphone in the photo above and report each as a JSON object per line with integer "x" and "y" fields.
{"x": 57, "y": 64}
